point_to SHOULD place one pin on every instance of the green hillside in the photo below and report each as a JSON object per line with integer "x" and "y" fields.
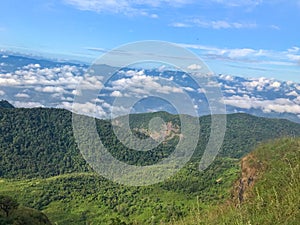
{"x": 43, "y": 169}
{"x": 271, "y": 198}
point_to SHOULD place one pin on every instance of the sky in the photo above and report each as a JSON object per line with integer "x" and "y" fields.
{"x": 252, "y": 38}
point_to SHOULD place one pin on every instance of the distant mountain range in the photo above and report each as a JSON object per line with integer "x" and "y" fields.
{"x": 35, "y": 82}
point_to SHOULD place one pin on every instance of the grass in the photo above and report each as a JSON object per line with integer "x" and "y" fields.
{"x": 275, "y": 197}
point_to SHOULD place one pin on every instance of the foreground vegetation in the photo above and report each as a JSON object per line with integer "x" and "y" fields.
{"x": 12, "y": 213}
{"x": 274, "y": 198}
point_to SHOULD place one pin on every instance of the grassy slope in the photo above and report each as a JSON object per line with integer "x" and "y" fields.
{"x": 274, "y": 198}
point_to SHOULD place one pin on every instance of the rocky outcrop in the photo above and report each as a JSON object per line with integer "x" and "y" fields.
{"x": 250, "y": 170}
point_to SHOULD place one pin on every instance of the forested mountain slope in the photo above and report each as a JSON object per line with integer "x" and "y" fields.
{"x": 39, "y": 142}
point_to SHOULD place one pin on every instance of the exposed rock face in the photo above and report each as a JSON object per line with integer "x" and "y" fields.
{"x": 251, "y": 168}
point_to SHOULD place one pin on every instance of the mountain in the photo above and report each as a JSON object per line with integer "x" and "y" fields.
{"x": 6, "y": 105}
{"x": 41, "y": 166}
{"x": 39, "y": 142}
{"x": 33, "y": 82}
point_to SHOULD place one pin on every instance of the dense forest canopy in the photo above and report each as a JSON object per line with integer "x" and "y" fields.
{"x": 39, "y": 142}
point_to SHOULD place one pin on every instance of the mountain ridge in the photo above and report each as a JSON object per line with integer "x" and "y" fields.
{"x": 47, "y": 136}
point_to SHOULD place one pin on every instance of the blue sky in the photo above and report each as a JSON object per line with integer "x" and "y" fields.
{"x": 250, "y": 38}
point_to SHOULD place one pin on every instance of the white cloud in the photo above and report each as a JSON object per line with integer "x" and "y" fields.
{"x": 32, "y": 66}
{"x": 180, "y": 24}
{"x": 214, "y": 24}
{"x": 294, "y": 49}
{"x": 226, "y": 77}
{"x": 23, "y": 104}
{"x": 146, "y": 7}
{"x": 239, "y": 101}
{"x": 76, "y": 92}
{"x": 256, "y": 83}
{"x": 189, "y": 89}
{"x": 289, "y": 57}
{"x": 2, "y": 93}
{"x": 201, "y": 90}
{"x": 280, "y": 105}
{"x": 260, "y": 98}
{"x": 228, "y": 53}
{"x": 275, "y": 27}
{"x": 242, "y": 91}
{"x": 237, "y": 53}
{"x": 138, "y": 83}
{"x": 213, "y": 84}
{"x": 97, "y": 108}
{"x": 275, "y": 84}
{"x": 126, "y": 7}
{"x": 91, "y": 82}
{"x": 194, "y": 67}
{"x": 88, "y": 108}
{"x": 292, "y": 93}
{"x": 50, "y": 89}
{"x": 297, "y": 100}
{"x": 100, "y": 6}
{"x": 116, "y": 94}
{"x": 60, "y": 82}
{"x": 32, "y": 75}
{"x": 230, "y": 91}
{"x": 8, "y": 80}
{"x": 294, "y": 57}
{"x": 239, "y": 3}
{"x": 22, "y": 95}
{"x": 154, "y": 16}
{"x": 123, "y": 6}
{"x": 261, "y": 84}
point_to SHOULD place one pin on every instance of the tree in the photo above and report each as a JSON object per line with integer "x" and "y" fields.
{"x": 8, "y": 204}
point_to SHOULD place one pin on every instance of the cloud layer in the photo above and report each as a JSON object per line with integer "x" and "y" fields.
{"x": 144, "y": 7}
{"x": 34, "y": 85}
